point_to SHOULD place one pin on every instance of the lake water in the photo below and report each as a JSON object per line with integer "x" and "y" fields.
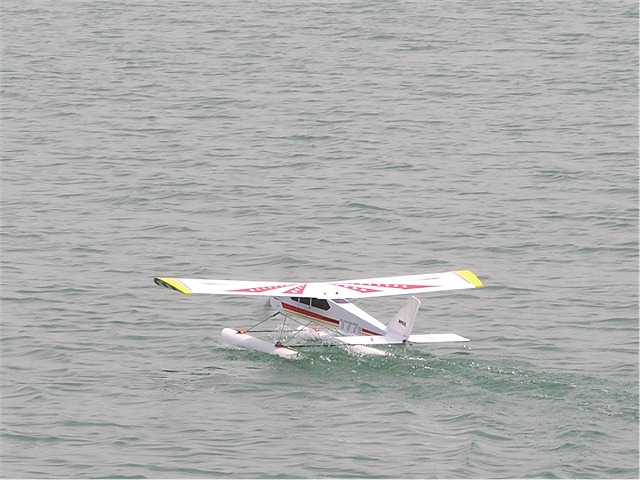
{"x": 306, "y": 141}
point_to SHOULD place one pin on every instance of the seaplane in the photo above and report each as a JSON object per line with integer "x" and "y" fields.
{"x": 323, "y": 315}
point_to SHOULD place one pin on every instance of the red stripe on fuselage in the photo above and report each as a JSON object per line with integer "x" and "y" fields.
{"x": 312, "y": 315}
{"x": 316, "y": 317}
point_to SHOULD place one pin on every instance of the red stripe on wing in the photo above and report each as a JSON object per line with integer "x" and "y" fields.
{"x": 375, "y": 287}
{"x": 267, "y": 288}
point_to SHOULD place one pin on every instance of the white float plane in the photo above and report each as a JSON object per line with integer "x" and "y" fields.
{"x": 326, "y": 303}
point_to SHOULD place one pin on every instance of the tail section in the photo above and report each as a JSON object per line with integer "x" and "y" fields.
{"x": 402, "y": 323}
{"x": 399, "y": 330}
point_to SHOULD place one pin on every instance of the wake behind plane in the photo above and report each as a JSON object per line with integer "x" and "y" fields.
{"x": 326, "y": 304}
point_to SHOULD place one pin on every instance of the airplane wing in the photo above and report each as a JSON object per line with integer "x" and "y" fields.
{"x": 410, "y": 284}
{"x": 190, "y": 286}
{"x": 362, "y": 288}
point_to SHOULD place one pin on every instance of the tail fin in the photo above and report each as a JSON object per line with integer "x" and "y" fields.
{"x": 402, "y": 323}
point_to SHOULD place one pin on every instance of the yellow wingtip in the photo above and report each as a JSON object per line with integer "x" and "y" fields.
{"x": 172, "y": 283}
{"x": 470, "y": 277}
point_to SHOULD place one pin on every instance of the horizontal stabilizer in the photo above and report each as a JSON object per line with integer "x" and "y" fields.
{"x": 437, "y": 338}
{"x": 371, "y": 339}
{"x": 393, "y": 339}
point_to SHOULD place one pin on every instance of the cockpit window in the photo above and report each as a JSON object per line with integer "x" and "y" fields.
{"x": 320, "y": 303}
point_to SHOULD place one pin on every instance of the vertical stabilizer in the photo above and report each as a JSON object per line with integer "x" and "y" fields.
{"x": 402, "y": 323}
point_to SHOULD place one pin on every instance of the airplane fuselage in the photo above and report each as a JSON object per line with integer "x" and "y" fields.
{"x": 340, "y": 314}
